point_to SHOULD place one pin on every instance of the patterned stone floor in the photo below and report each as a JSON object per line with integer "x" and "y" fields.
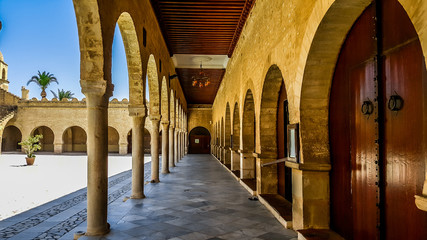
{"x": 199, "y": 199}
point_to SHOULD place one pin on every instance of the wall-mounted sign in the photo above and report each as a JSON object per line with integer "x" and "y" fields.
{"x": 196, "y": 140}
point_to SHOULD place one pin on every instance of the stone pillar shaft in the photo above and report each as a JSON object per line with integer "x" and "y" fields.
{"x": 138, "y": 157}
{"x": 165, "y": 147}
{"x": 155, "y": 122}
{"x": 171, "y": 147}
{"x": 175, "y": 146}
{"x": 97, "y": 154}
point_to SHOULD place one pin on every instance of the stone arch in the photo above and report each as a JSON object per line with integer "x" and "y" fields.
{"x": 47, "y": 140}
{"x": 222, "y": 132}
{"x": 165, "y": 100}
{"x": 199, "y": 138}
{"x": 74, "y": 139}
{"x": 248, "y": 123}
{"x": 90, "y": 40}
{"x": 113, "y": 140}
{"x": 11, "y": 137}
{"x": 172, "y": 109}
{"x": 268, "y": 112}
{"x": 236, "y": 127}
{"x": 330, "y": 23}
{"x": 153, "y": 86}
{"x": 133, "y": 58}
{"x": 227, "y": 136}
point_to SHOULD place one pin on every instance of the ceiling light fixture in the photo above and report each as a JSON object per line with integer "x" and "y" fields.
{"x": 201, "y": 79}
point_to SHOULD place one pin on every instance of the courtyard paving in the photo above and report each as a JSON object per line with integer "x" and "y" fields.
{"x": 199, "y": 199}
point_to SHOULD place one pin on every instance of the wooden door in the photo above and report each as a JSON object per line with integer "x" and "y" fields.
{"x": 404, "y": 74}
{"x": 199, "y": 144}
{"x": 378, "y": 159}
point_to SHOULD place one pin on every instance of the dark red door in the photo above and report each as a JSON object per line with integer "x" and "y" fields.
{"x": 378, "y": 158}
{"x": 200, "y": 139}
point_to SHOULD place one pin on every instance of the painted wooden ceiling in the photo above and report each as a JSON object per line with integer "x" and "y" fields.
{"x": 205, "y": 27}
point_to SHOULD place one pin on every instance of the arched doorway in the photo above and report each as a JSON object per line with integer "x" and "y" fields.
{"x": 74, "y": 139}
{"x": 247, "y": 163}
{"x": 200, "y": 140}
{"x": 113, "y": 140}
{"x": 235, "y": 165}
{"x": 47, "y": 140}
{"x": 377, "y": 144}
{"x": 10, "y": 139}
{"x": 147, "y": 142}
{"x": 227, "y": 137}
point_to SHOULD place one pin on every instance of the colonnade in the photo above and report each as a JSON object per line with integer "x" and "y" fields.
{"x": 174, "y": 139}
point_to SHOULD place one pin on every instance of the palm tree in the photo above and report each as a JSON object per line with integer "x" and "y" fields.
{"x": 62, "y": 94}
{"x": 43, "y": 80}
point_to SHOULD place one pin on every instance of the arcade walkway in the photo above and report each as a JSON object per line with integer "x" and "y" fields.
{"x": 198, "y": 200}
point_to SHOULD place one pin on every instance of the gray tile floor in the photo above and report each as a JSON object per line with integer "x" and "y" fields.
{"x": 199, "y": 199}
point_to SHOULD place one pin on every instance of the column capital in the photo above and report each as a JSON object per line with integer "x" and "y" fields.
{"x": 164, "y": 122}
{"x": 137, "y": 110}
{"x": 96, "y": 87}
{"x": 155, "y": 117}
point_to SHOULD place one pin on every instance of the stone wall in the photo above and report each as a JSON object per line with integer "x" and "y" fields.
{"x": 200, "y": 115}
{"x": 302, "y": 38}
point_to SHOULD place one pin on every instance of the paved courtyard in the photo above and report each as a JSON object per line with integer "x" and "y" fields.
{"x": 199, "y": 199}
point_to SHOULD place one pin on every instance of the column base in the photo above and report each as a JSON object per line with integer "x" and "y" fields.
{"x": 98, "y": 232}
{"x": 165, "y": 172}
{"x": 141, "y": 196}
{"x": 154, "y": 181}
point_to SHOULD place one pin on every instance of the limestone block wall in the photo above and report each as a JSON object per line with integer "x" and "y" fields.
{"x": 61, "y": 115}
{"x": 200, "y": 115}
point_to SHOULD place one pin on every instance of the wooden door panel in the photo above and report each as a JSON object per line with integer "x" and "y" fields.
{"x": 404, "y": 148}
{"x": 363, "y": 153}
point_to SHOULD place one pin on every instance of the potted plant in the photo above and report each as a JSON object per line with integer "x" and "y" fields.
{"x": 31, "y": 145}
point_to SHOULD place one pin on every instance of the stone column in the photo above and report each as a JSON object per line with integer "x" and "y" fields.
{"x": 165, "y": 146}
{"x": 186, "y": 143}
{"x": 123, "y": 148}
{"x": 171, "y": 147}
{"x": 235, "y": 160}
{"x": 138, "y": 114}
{"x": 247, "y": 165}
{"x": 155, "y": 122}
{"x": 57, "y": 147}
{"x": 310, "y": 194}
{"x": 175, "y": 146}
{"x": 97, "y": 95}
{"x": 266, "y": 181}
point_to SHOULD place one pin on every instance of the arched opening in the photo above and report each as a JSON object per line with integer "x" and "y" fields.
{"x": 227, "y": 137}
{"x": 275, "y": 182}
{"x": 247, "y": 164}
{"x": 147, "y": 142}
{"x": 129, "y": 137}
{"x": 133, "y": 60}
{"x": 377, "y": 148}
{"x": 200, "y": 140}
{"x": 235, "y": 145}
{"x": 74, "y": 139}
{"x": 3, "y": 74}
{"x": 47, "y": 140}
{"x": 10, "y": 139}
{"x": 221, "y": 140}
{"x": 153, "y": 87}
{"x": 165, "y": 100}
{"x": 113, "y": 140}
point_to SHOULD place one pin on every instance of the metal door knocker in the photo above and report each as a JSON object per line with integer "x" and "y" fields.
{"x": 395, "y": 103}
{"x": 367, "y": 107}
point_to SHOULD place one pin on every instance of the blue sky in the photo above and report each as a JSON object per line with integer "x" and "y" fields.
{"x": 42, "y": 35}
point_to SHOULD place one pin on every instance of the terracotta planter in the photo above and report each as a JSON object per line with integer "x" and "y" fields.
{"x": 30, "y": 161}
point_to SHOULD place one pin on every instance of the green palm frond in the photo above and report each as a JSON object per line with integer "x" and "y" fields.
{"x": 43, "y": 80}
{"x": 63, "y": 94}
